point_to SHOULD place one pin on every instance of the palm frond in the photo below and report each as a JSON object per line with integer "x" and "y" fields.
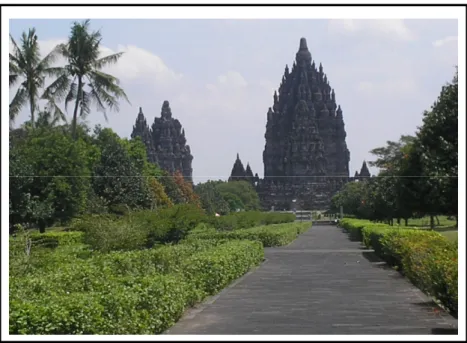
{"x": 107, "y": 60}
{"x": 85, "y": 104}
{"x": 17, "y": 53}
{"x": 72, "y": 93}
{"x": 50, "y": 58}
{"x": 57, "y": 113}
{"x": 58, "y": 89}
{"x": 109, "y": 83}
{"x": 21, "y": 97}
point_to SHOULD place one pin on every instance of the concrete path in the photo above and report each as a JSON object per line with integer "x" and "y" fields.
{"x": 321, "y": 284}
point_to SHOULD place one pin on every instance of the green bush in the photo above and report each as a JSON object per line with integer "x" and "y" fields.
{"x": 105, "y": 234}
{"x": 169, "y": 224}
{"x": 244, "y": 220}
{"x": 54, "y": 239}
{"x": 427, "y": 258}
{"x": 269, "y": 236}
{"x": 144, "y": 305}
{"x": 137, "y": 292}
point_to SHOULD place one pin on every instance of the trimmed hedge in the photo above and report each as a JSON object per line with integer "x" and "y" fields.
{"x": 269, "y": 236}
{"x": 244, "y": 220}
{"x": 139, "y": 292}
{"x": 426, "y": 258}
{"x": 55, "y": 239}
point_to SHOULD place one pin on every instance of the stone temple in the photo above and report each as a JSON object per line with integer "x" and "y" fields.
{"x": 306, "y": 157}
{"x": 165, "y": 142}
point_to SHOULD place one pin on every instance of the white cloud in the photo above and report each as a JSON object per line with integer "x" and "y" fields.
{"x": 446, "y": 40}
{"x": 387, "y": 28}
{"x": 232, "y": 79}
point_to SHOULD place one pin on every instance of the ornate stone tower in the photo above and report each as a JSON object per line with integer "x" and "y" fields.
{"x": 239, "y": 173}
{"x": 306, "y": 156}
{"x": 165, "y": 142}
{"x": 364, "y": 172}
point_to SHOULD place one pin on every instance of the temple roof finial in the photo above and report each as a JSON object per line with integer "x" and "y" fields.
{"x": 303, "y": 45}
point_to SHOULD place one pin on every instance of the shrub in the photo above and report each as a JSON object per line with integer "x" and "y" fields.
{"x": 105, "y": 234}
{"x": 427, "y": 258}
{"x": 137, "y": 292}
{"x": 244, "y": 220}
{"x": 269, "y": 236}
{"x": 169, "y": 224}
{"x": 214, "y": 269}
{"x": 54, "y": 239}
{"x": 144, "y": 305}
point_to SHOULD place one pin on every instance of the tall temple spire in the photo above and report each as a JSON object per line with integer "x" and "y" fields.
{"x": 303, "y": 54}
{"x": 166, "y": 112}
{"x": 364, "y": 171}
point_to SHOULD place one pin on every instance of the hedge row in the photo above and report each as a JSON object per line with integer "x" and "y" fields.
{"x": 427, "y": 258}
{"x": 144, "y": 229}
{"x": 141, "y": 292}
{"x": 269, "y": 236}
{"x": 244, "y": 220}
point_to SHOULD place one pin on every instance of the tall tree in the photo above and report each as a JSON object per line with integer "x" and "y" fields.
{"x": 82, "y": 80}
{"x": 26, "y": 65}
{"x": 438, "y": 138}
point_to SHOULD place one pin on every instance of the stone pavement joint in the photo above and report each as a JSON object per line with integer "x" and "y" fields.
{"x": 321, "y": 284}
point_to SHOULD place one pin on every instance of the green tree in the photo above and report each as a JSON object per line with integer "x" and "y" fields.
{"x": 82, "y": 80}
{"x": 27, "y": 66}
{"x": 116, "y": 178}
{"x": 242, "y": 190}
{"x": 211, "y": 199}
{"x": 53, "y": 172}
{"x": 438, "y": 138}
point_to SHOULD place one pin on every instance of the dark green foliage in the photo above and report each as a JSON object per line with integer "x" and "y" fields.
{"x": 51, "y": 177}
{"x": 418, "y": 175}
{"x": 211, "y": 198}
{"x": 240, "y": 195}
{"x": 170, "y": 225}
{"x": 116, "y": 177}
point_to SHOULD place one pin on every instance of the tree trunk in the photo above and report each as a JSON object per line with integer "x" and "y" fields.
{"x": 41, "y": 226}
{"x": 432, "y": 222}
{"x": 398, "y": 221}
{"x": 437, "y": 220}
{"x": 32, "y": 109}
{"x": 74, "y": 123}
{"x": 406, "y": 221}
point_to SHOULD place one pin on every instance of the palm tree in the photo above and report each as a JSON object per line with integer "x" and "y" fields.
{"x": 26, "y": 64}
{"x": 82, "y": 80}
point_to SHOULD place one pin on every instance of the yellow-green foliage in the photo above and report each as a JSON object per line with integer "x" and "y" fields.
{"x": 427, "y": 258}
{"x": 135, "y": 292}
{"x": 268, "y": 235}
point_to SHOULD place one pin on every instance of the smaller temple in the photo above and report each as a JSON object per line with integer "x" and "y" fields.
{"x": 165, "y": 142}
{"x": 364, "y": 172}
{"x": 239, "y": 173}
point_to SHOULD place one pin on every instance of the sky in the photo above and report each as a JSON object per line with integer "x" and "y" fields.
{"x": 219, "y": 77}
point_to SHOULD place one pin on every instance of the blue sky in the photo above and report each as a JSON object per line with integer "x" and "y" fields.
{"x": 219, "y": 77}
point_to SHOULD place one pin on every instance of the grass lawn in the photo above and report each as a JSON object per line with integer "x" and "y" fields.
{"x": 450, "y": 234}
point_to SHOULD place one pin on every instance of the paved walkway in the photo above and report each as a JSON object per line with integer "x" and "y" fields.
{"x": 320, "y": 284}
